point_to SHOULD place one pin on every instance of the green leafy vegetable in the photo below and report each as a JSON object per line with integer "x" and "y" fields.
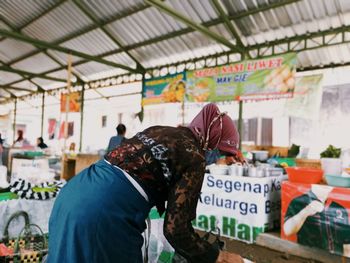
{"x": 331, "y": 152}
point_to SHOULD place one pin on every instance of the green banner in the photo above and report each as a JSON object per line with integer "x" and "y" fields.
{"x": 268, "y": 78}
{"x": 170, "y": 88}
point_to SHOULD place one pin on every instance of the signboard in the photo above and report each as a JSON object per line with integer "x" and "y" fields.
{"x": 170, "y": 88}
{"x": 307, "y": 97}
{"x": 241, "y": 207}
{"x": 316, "y": 216}
{"x": 74, "y": 102}
{"x": 268, "y": 78}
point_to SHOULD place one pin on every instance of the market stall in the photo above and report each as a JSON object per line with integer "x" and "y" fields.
{"x": 241, "y": 207}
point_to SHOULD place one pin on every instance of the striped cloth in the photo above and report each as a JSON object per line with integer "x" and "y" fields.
{"x": 43, "y": 191}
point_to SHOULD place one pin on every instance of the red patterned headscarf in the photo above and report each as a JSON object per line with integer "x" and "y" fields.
{"x": 215, "y": 130}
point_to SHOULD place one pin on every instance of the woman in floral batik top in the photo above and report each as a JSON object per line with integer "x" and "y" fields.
{"x": 100, "y": 214}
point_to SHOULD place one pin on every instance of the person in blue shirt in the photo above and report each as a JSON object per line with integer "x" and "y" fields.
{"x": 115, "y": 141}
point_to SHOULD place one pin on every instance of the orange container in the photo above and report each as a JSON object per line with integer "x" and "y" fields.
{"x": 304, "y": 175}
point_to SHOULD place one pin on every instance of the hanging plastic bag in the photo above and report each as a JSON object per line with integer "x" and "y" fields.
{"x": 3, "y": 177}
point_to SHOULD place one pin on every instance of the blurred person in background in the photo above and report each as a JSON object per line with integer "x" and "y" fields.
{"x": 40, "y": 143}
{"x": 20, "y": 141}
{"x": 115, "y": 141}
{"x": 99, "y": 215}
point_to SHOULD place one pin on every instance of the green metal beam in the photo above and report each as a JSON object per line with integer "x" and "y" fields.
{"x": 228, "y": 24}
{"x": 84, "y": 31}
{"x": 30, "y": 74}
{"x": 15, "y": 88}
{"x": 97, "y": 22}
{"x": 168, "y": 10}
{"x": 44, "y": 44}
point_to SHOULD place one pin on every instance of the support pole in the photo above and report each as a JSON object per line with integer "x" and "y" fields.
{"x": 67, "y": 101}
{"x": 42, "y": 114}
{"x": 240, "y": 123}
{"x": 14, "y": 120}
{"x": 81, "y": 117}
{"x": 240, "y": 114}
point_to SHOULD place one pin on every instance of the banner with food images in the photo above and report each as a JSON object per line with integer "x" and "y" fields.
{"x": 306, "y": 102}
{"x": 261, "y": 79}
{"x": 170, "y": 88}
{"x": 74, "y": 102}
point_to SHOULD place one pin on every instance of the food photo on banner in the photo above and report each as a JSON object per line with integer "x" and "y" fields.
{"x": 74, "y": 102}
{"x": 316, "y": 216}
{"x": 170, "y": 88}
{"x": 262, "y": 79}
{"x": 306, "y": 102}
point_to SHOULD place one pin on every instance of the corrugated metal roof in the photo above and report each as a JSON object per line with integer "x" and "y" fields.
{"x": 25, "y": 85}
{"x": 108, "y": 8}
{"x": 198, "y": 10}
{"x": 93, "y": 70}
{"x": 63, "y": 74}
{"x": 3, "y": 25}
{"x": 63, "y": 20}
{"x": 21, "y": 12}
{"x": 11, "y": 49}
{"x": 122, "y": 58}
{"x": 144, "y": 25}
{"x": 289, "y": 20}
{"x": 324, "y": 56}
{"x": 63, "y": 57}
{"x": 37, "y": 64}
{"x": 43, "y": 83}
{"x": 189, "y": 46}
{"x": 7, "y": 77}
{"x": 93, "y": 43}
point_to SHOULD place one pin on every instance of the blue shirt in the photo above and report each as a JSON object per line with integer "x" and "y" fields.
{"x": 114, "y": 142}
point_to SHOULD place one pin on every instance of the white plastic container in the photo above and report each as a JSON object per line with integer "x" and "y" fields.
{"x": 218, "y": 169}
{"x": 331, "y": 166}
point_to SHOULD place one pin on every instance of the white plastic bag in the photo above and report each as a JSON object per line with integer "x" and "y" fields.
{"x": 3, "y": 177}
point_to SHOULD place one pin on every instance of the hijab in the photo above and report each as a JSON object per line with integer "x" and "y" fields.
{"x": 215, "y": 130}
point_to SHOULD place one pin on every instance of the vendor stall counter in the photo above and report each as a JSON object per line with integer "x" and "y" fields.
{"x": 241, "y": 207}
{"x": 74, "y": 164}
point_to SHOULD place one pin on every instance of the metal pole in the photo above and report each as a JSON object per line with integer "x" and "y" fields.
{"x": 240, "y": 114}
{"x": 42, "y": 114}
{"x": 14, "y": 120}
{"x": 67, "y": 106}
{"x": 240, "y": 123}
{"x": 81, "y": 117}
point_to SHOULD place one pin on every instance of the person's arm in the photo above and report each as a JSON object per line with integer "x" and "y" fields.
{"x": 181, "y": 210}
{"x": 293, "y": 224}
